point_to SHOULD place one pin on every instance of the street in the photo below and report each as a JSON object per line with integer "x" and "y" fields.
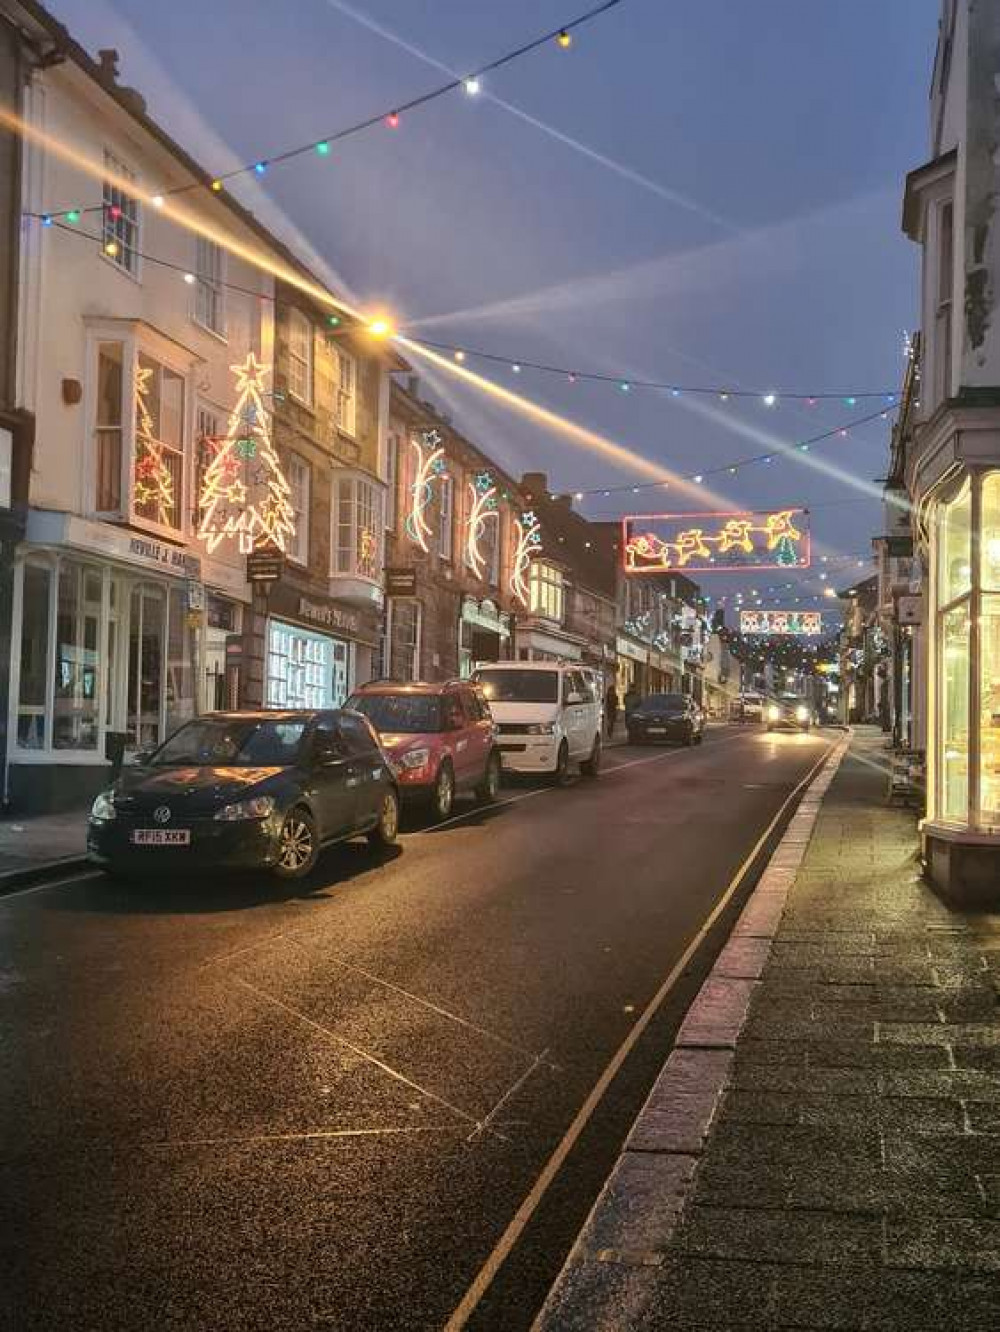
{"x": 233, "y": 1104}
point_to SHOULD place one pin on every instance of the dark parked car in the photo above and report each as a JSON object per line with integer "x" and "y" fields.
{"x": 246, "y": 789}
{"x": 441, "y": 738}
{"x": 666, "y": 717}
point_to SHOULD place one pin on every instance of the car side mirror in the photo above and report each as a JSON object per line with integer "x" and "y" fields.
{"x": 142, "y": 756}
{"x": 326, "y": 755}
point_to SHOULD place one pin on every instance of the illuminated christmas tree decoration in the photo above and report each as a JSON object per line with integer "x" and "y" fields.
{"x": 658, "y": 543}
{"x": 625, "y": 386}
{"x": 115, "y": 211}
{"x": 460, "y": 356}
{"x": 675, "y": 393}
{"x": 153, "y": 483}
{"x": 482, "y": 507}
{"x": 255, "y": 510}
{"x": 429, "y": 466}
{"x": 516, "y": 368}
{"x": 380, "y": 327}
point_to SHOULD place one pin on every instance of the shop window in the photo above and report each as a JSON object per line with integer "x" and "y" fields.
{"x": 546, "y": 592}
{"x": 300, "y": 357}
{"x": 210, "y": 293}
{"x": 954, "y": 650}
{"x": 299, "y": 477}
{"x": 404, "y": 632}
{"x": 305, "y": 669}
{"x": 179, "y": 698}
{"x": 357, "y": 528}
{"x": 76, "y": 689}
{"x": 989, "y": 653}
{"x": 158, "y": 481}
{"x": 108, "y": 427}
{"x": 33, "y": 691}
{"x": 120, "y": 241}
{"x": 347, "y": 379}
{"x": 954, "y": 547}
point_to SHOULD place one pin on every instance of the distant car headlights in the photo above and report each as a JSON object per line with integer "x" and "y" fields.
{"x": 260, "y": 807}
{"x": 540, "y": 728}
{"x": 774, "y": 713}
{"x": 415, "y": 758}
{"x": 103, "y": 810}
{"x": 801, "y": 714}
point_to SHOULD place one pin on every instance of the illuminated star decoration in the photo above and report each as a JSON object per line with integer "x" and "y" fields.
{"x": 228, "y": 509}
{"x": 483, "y": 506}
{"x": 429, "y": 465}
{"x": 153, "y": 484}
{"x": 528, "y": 544}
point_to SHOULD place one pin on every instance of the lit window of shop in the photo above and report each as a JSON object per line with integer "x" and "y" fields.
{"x": 158, "y": 470}
{"x": 357, "y": 527}
{"x": 404, "y": 633}
{"x": 306, "y": 669}
{"x": 546, "y": 592}
{"x": 989, "y": 654}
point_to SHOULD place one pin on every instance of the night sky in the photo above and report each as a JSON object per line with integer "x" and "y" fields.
{"x": 749, "y": 237}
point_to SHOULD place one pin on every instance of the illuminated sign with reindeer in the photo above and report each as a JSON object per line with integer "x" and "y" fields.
{"x": 715, "y": 542}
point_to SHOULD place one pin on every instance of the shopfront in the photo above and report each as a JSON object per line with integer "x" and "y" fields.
{"x": 962, "y": 828}
{"x": 483, "y": 633}
{"x": 104, "y": 645}
{"x": 317, "y": 649}
{"x": 633, "y": 666}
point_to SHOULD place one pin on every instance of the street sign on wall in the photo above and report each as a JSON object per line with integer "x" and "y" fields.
{"x": 791, "y": 622}
{"x": 715, "y": 542}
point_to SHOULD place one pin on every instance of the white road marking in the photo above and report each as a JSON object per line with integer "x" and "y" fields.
{"x": 238, "y": 1140}
{"x": 515, "y": 1228}
{"x": 82, "y": 877}
{"x": 512, "y": 1090}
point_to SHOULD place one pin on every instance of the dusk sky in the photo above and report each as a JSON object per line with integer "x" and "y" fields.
{"x": 742, "y": 228}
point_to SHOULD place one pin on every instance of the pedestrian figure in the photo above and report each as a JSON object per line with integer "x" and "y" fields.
{"x": 611, "y": 709}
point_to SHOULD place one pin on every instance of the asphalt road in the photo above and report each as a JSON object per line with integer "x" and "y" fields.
{"x": 236, "y": 1106}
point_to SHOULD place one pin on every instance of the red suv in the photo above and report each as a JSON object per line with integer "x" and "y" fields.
{"x": 441, "y": 739}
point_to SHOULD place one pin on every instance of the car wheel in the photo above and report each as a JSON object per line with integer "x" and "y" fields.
{"x": 384, "y": 832}
{"x": 592, "y": 766}
{"x": 444, "y": 792}
{"x": 298, "y": 845}
{"x": 559, "y": 773}
{"x": 489, "y": 787}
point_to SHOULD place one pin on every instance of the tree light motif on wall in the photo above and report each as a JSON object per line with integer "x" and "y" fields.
{"x": 527, "y": 545}
{"x": 482, "y": 507}
{"x": 732, "y": 541}
{"x": 153, "y": 484}
{"x": 244, "y": 493}
{"x": 429, "y": 466}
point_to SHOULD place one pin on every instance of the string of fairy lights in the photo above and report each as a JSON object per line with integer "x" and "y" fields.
{"x": 390, "y": 117}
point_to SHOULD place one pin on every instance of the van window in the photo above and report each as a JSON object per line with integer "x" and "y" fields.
{"x": 573, "y": 684}
{"x": 516, "y": 686}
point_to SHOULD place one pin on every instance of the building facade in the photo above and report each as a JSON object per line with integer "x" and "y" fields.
{"x": 952, "y": 462}
{"x": 453, "y": 525}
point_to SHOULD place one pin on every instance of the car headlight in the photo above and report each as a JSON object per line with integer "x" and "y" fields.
{"x": 773, "y": 712}
{"x": 540, "y": 728}
{"x": 103, "y": 809}
{"x": 801, "y": 714}
{"x": 257, "y": 808}
{"x": 415, "y": 758}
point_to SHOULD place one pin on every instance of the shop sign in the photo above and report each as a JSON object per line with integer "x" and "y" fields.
{"x": 486, "y": 614}
{"x": 400, "y": 582}
{"x": 149, "y": 551}
{"x": 265, "y": 566}
{"x": 328, "y": 615}
{"x": 195, "y": 595}
{"x": 234, "y": 649}
{"x": 631, "y": 650}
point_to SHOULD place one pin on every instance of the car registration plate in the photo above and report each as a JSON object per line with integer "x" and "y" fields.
{"x": 161, "y": 837}
{"x": 657, "y": 730}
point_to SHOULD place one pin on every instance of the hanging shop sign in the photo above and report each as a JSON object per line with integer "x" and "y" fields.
{"x": 428, "y": 466}
{"x": 244, "y": 494}
{"x": 791, "y": 622}
{"x": 715, "y": 542}
{"x": 265, "y": 565}
{"x": 400, "y": 582}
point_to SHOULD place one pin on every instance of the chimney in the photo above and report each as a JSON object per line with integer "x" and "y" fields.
{"x": 108, "y": 74}
{"x": 535, "y": 485}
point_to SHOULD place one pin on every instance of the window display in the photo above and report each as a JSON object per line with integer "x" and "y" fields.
{"x": 75, "y": 721}
{"x": 955, "y": 558}
{"x": 31, "y": 728}
{"x": 305, "y": 669}
{"x": 955, "y": 713}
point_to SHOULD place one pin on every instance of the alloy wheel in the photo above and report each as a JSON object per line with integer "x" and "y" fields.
{"x": 388, "y": 823}
{"x": 296, "y": 843}
{"x": 444, "y": 792}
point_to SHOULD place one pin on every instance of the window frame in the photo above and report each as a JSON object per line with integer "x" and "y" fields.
{"x": 539, "y": 572}
{"x": 299, "y": 325}
{"x": 346, "y": 400}
{"x": 210, "y": 285}
{"x": 374, "y": 494}
{"x": 183, "y": 452}
{"x": 293, "y": 462}
{"x": 395, "y": 605}
{"x": 128, "y": 258}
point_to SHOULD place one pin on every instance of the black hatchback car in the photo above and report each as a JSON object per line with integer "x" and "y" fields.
{"x": 247, "y": 789}
{"x": 665, "y": 718}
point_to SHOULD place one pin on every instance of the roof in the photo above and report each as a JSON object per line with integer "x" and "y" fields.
{"x": 429, "y": 687}
{"x": 266, "y": 714}
{"x": 916, "y": 181}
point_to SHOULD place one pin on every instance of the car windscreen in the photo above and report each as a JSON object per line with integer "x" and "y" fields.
{"x": 519, "y": 686}
{"x": 232, "y": 744}
{"x": 404, "y": 714}
{"x": 663, "y": 703}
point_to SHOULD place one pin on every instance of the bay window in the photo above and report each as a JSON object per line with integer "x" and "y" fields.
{"x": 109, "y": 397}
{"x": 357, "y": 526}
{"x": 158, "y": 474}
{"x": 546, "y": 591}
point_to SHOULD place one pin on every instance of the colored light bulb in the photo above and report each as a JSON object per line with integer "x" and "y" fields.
{"x": 73, "y": 215}
{"x": 216, "y": 185}
{"x": 564, "y": 39}
{"x": 323, "y": 148}
{"x": 260, "y": 167}
{"x": 392, "y": 120}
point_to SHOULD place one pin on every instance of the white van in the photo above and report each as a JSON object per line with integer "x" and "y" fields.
{"x": 548, "y": 713}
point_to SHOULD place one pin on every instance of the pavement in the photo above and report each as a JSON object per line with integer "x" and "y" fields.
{"x": 821, "y": 1151}
{"x": 36, "y": 847}
{"x": 376, "y": 1098}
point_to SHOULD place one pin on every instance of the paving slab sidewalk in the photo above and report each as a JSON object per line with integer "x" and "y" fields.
{"x": 848, "y": 1175}
{"x": 33, "y": 848}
